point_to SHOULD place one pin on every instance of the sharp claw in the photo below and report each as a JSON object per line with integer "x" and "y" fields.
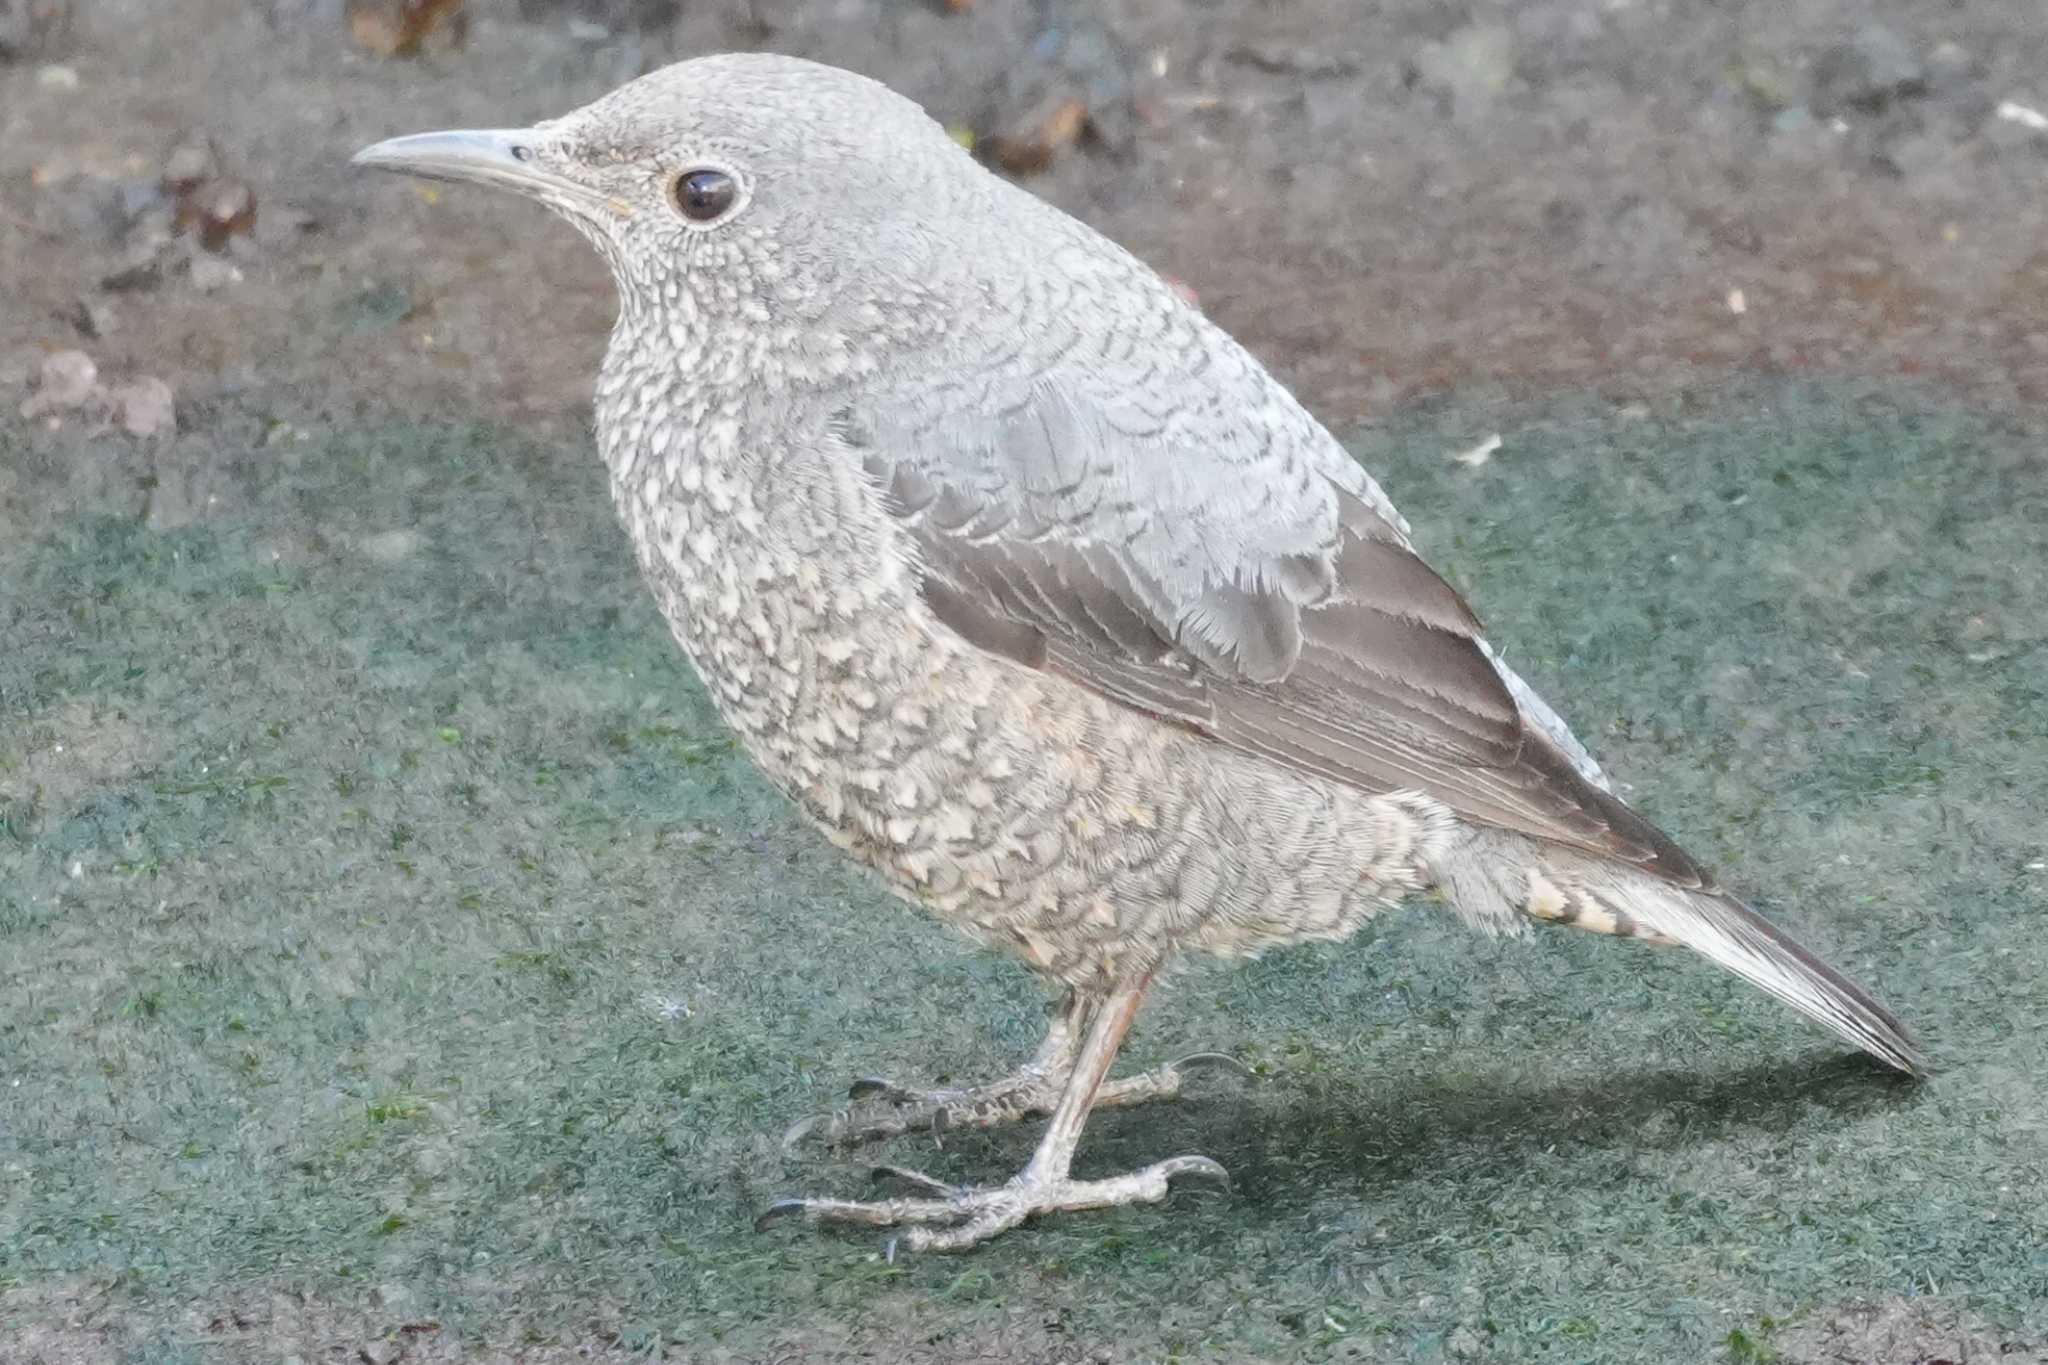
{"x": 1199, "y": 1167}
{"x": 781, "y": 1208}
{"x": 867, "y": 1087}
{"x": 938, "y": 1189}
{"x": 1220, "y": 1061}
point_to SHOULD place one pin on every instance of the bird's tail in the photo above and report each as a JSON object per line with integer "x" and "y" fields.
{"x": 1493, "y": 877}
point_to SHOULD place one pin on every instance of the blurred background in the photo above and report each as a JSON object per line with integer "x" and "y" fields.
{"x": 398, "y": 962}
{"x": 1384, "y": 200}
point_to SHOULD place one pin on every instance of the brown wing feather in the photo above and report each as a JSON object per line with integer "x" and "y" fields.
{"x": 1358, "y": 664}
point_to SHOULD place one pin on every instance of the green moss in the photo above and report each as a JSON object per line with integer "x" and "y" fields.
{"x": 427, "y": 928}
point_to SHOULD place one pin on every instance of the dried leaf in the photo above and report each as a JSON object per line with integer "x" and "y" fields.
{"x": 218, "y": 210}
{"x": 404, "y": 28}
{"x": 1030, "y": 149}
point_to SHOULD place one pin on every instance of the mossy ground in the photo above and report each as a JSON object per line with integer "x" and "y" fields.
{"x": 395, "y": 929}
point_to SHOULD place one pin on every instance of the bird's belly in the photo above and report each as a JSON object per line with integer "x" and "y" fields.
{"x": 1037, "y": 816}
{"x": 1088, "y": 839}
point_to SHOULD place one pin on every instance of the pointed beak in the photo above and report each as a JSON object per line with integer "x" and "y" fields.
{"x": 503, "y": 158}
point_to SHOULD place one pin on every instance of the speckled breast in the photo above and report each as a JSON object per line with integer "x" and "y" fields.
{"x": 1037, "y": 816}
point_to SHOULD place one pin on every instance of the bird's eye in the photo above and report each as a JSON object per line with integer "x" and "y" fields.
{"x": 703, "y": 196}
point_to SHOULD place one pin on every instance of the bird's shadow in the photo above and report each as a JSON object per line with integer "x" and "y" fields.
{"x": 1348, "y": 1135}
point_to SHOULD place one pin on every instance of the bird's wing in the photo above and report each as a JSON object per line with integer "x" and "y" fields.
{"x": 1227, "y": 567}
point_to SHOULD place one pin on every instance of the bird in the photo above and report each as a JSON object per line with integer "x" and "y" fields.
{"x": 1039, "y": 596}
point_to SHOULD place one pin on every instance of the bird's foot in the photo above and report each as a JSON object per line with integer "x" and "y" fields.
{"x": 883, "y": 1109}
{"x": 945, "y": 1217}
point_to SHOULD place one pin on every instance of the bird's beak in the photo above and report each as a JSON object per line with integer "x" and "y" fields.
{"x": 499, "y": 157}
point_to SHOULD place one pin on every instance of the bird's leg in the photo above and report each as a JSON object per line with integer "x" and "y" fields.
{"x": 884, "y": 1109}
{"x": 969, "y": 1216}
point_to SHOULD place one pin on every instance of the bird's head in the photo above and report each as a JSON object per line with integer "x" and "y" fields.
{"x": 747, "y": 182}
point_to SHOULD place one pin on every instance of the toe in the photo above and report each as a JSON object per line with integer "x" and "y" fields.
{"x": 966, "y": 1237}
{"x": 1194, "y": 1168}
{"x": 919, "y": 1181}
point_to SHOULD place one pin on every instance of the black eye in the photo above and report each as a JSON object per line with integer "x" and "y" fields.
{"x": 703, "y": 195}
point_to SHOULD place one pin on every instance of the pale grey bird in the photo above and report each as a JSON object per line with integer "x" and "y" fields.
{"x": 1035, "y": 592}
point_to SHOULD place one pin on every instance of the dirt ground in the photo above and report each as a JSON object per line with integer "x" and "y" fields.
{"x": 1419, "y": 213}
{"x": 1383, "y": 201}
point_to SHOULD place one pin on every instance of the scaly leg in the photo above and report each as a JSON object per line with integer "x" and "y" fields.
{"x": 884, "y": 1109}
{"x": 967, "y": 1216}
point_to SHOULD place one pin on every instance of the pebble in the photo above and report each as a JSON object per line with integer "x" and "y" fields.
{"x": 389, "y": 547}
{"x": 144, "y": 407}
{"x": 68, "y": 380}
{"x": 2012, "y": 111}
{"x": 212, "y": 273}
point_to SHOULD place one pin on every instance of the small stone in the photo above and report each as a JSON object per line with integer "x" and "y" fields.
{"x": 1867, "y": 73}
{"x": 211, "y": 273}
{"x": 389, "y": 547}
{"x": 55, "y": 77}
{"x": 1463, "y": 1342}
{"x": 1764, "y": 82}
{"x": 68, "y": 380}
{"x": 2025, "y": 116}
{"x": 1476, "y": 455}
{"x": 1793, "y": 121}
{"x": 144, "y": 407}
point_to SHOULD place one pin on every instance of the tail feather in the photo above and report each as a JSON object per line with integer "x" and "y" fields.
{"x": 1511, "y": 874}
